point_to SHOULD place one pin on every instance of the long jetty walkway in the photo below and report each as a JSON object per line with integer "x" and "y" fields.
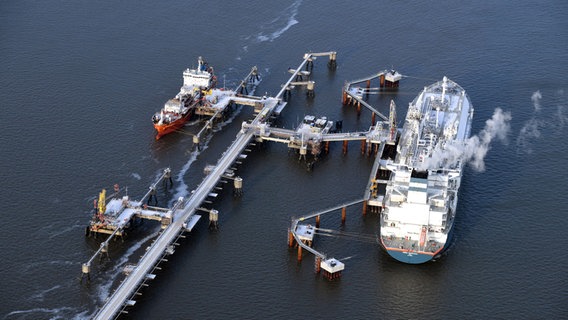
{"x": 126, "y": 292}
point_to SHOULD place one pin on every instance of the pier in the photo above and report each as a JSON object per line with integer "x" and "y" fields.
{"x": 354, "y": 95}
{"x": 183, "y": 212}
{"x": 313, "y": 135}
{"x": 302, "y": 236}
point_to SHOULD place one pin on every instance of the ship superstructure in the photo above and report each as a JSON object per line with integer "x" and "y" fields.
{"x": 422, "y": 192}
{"x": 176, "y": 111}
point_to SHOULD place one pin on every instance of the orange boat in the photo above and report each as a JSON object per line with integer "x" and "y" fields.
{"x": 178, "y": 110}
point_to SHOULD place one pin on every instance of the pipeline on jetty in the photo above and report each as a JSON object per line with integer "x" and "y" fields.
{"x": 380, "y": 140}
{"x": 313, "y": 135}
{"x": 181, "y": 216}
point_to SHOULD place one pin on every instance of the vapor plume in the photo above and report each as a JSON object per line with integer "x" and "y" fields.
{"x": 474, "y": 149}
{"x": 531, "y": 130}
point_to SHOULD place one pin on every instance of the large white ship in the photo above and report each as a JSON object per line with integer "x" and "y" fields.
{"x": 422, "y": 191}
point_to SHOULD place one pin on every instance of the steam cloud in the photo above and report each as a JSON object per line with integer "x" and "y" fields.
{"x": 531, "y": 129}
{"x": 535, "y": 98}
{"x": 475, "y": 148}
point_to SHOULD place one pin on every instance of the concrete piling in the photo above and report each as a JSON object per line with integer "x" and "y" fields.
{"x": 238, "y": 184}
{"x": 310, "y": 89}
{"x": 332, "y": 60}
{"x": 86, "y": 272}
{"x": 213, "y": 219}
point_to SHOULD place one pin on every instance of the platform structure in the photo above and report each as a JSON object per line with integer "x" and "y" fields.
{"x": 219, "y": 101}
{"x": 114, "y": 214}
{"x": 183, "y": 214}
{"x": 313, "y": 135}
{"x": 302, "y": 235}
{"x": 355, "y": 95}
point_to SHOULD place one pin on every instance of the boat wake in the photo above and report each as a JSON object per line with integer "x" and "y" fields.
{"x": 56, "y": 264}
{"x": 284, "y": 22}
{"x": 77, "y": 225}
{"x": 56, "y": 313}
{"x": 40, "y": 296}
{"x": 103, "y": 291}
{"x": 192, "y": 123}
{"x": 183, "y": 190}
{"x": 108, "y": 278}
{"x": 63, "y": 227}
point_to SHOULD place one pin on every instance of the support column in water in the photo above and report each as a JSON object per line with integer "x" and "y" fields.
{"x": 238, "y": 183}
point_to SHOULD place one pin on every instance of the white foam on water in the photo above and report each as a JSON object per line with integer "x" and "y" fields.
{"x": 83, "y": 315}
{"x": 136, "y": 176}
{"x": 33, "y": 265}
{"x": 66, "y": 230}
{"x": 104, "y": 289}
{"x": 192, "y": 123}
{"x": 287, "y": 19}
{"x": 41, "y": 295}
{"x": 56, "y": 312}
{"x": 183, "y": 190}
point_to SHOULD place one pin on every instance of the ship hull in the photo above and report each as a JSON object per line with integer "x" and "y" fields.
{"x": 412, "y": 257}
{"x": 422, "y": 192}
{"x": 195, "y": 83}
{"x": 163, "y": 129}
{"x": 409, "y": 257}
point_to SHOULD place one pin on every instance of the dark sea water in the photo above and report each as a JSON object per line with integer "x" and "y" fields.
{"x": 79, "y": 83}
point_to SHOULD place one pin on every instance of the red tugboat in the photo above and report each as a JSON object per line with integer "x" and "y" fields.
{"x": 178, "y": 110}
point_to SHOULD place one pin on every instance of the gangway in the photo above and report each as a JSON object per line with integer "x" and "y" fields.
{"x": 366, "y": 105}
